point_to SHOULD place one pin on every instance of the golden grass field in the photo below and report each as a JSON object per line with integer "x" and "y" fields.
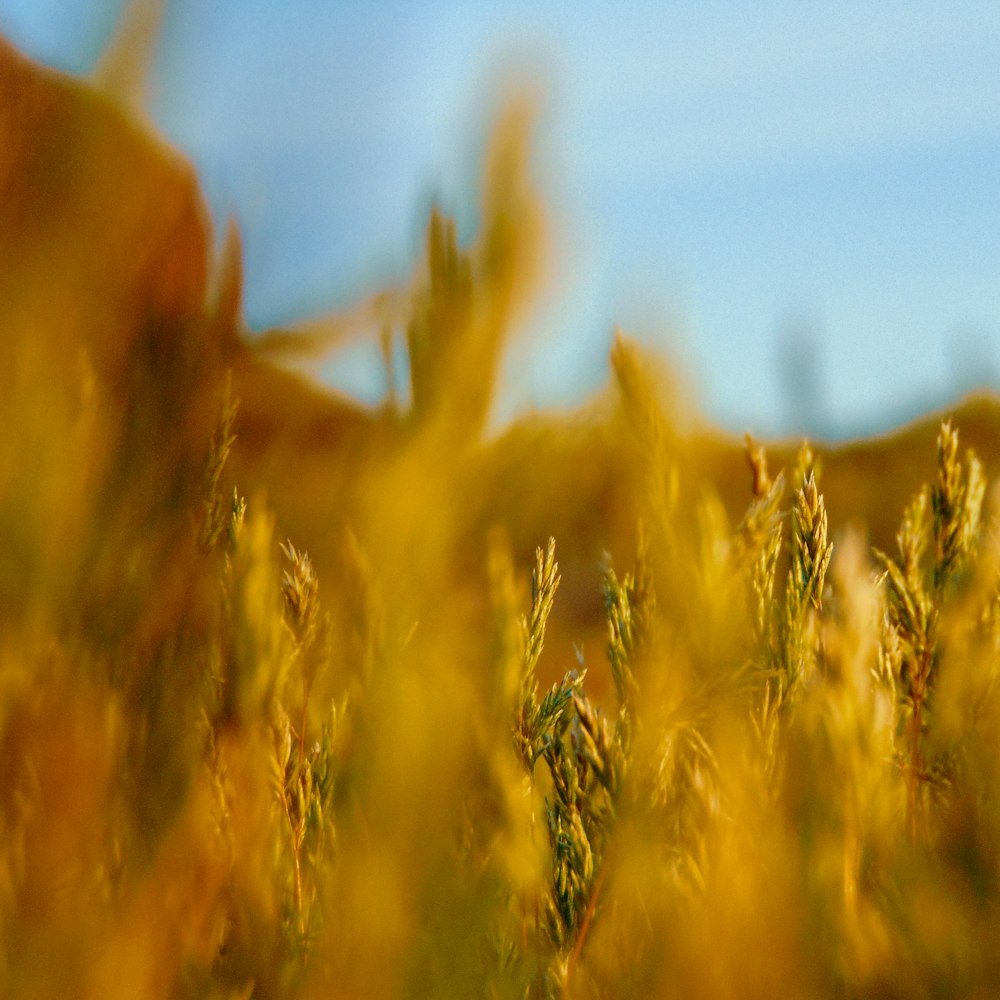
{"x": 298, "y": 699}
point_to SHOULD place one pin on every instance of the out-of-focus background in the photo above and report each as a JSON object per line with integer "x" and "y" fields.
{"x": 798, "y": 203}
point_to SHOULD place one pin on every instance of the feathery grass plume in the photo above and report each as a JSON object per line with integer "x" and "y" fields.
{"x": 759, "y": 546}
{"x": 654, "y": 769}
{"x": 957, "y": 507}
{"x": 811, "y": 550}
{"x": 810, "y": 558}
{"x": 919, "y": 595}
{"x": 585, "y": 764}
{"x": 910, "y": 603}
{"x": 786, "y": 635}
{"x": 236, "y": 520}
{"x": 544, "y": 583}
{"x": 759, "y": 543}
{"x": 303, "y": 782}
{"x": 588, "y": 762}
{"x": 909, "y": 644}
{"x": 300, "y": 589}
{"x": 538, "y": 722}
{"x": 215, "y": 517}
{"x": 797, "y": 649}
{"x": 303, "y": 765}
{"x": 257, "y": 650}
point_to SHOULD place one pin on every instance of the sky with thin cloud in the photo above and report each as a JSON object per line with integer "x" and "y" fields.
{"x": 797, "y": 203}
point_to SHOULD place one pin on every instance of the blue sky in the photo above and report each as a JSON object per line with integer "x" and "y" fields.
{"x": 739, "y": 184}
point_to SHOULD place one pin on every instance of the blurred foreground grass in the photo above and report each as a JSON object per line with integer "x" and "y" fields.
{"x": 231, "y": 768}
